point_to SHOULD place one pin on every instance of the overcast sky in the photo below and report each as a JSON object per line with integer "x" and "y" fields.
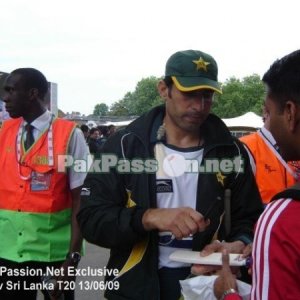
{"x": 97, "y": 50}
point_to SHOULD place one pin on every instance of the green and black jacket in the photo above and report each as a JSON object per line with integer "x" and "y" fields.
{"x": 111, "y": 212}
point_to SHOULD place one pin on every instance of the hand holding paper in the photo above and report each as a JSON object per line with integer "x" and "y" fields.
{"x": 214, "y": 259}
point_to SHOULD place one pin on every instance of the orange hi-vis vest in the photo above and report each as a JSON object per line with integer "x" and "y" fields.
{"x": 271, "y": 174}
{"x": 35, "y": 223}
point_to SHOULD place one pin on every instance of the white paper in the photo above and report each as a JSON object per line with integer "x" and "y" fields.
{"x": 202, "y": 287}
{"x": 215, "y": 259}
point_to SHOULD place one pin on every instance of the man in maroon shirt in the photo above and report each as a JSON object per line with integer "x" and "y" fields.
{"x": 276, "y": 246}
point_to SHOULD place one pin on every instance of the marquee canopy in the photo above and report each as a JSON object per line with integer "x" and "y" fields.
{"x": 249, "y": 119}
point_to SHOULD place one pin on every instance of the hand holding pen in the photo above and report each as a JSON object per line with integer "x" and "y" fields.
{"x": 181, "y": 222}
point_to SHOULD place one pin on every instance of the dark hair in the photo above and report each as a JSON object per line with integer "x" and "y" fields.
{"x": 92, "y": 130}
{"x": 84, "y": 128}
{"x": 103, "y": 129}
{"x": 32, "y": 78}
{"x": 283, "y": 79}
{"x": 168, "y": 81}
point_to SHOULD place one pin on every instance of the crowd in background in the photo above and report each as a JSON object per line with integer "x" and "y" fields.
{"x": 96, "y": 136}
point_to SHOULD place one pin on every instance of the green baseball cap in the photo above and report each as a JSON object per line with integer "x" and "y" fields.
{"x": 193, "y": 70}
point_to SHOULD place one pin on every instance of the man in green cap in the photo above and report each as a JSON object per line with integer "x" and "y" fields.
{"x": 166, "y": 199}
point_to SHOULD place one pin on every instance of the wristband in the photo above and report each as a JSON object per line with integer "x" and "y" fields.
{"x": 74, "y": 257}
{"x": 228, "y": 292}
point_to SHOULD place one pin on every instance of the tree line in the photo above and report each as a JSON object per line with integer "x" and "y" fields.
{"x": 239, "y": 96}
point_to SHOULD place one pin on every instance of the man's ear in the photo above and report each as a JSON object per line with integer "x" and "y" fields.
{"x": 292, "y": 113}
{"x": 34, "y": 93}
{"x": 162, "y": 89}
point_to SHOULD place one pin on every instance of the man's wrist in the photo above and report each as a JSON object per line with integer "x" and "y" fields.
{"x": 229, "y": 292}
{"x": 74, "y": 257}
{"x": 147, "y": 219}
{"x": 245, "y": 239}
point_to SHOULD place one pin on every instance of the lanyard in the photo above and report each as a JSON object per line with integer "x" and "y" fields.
{"x": 276, "y": 153}
{"x": 49, "y": 147}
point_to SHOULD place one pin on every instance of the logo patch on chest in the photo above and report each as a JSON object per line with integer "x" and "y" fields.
{"x": 164, "y": 186}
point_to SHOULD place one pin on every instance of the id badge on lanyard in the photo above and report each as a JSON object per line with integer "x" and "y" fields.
{"x": 40, "y": 181}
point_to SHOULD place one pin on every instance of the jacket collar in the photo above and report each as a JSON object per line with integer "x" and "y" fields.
{"x": 213, "y": 129}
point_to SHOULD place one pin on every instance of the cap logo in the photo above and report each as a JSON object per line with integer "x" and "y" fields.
{"x": 201, "y": 64}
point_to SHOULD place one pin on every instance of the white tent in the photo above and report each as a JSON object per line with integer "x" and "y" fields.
{"x": 249, "y": 120}
{"x": 119, "y": 123}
